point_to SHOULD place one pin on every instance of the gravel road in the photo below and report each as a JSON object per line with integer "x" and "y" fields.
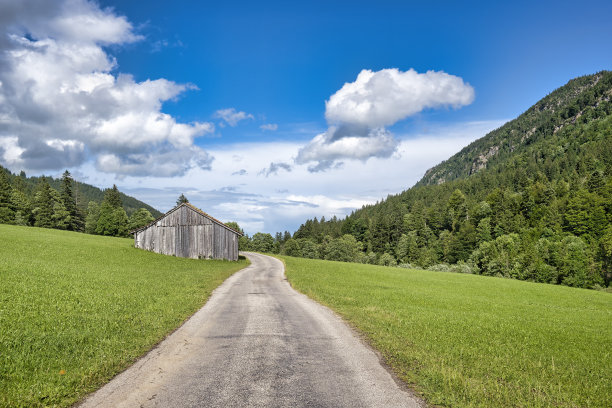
{"x": 257, "y": 343}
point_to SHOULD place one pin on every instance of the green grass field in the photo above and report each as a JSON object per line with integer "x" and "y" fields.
{"x": 76, "y": 309}
{"x": 466, "y": 340}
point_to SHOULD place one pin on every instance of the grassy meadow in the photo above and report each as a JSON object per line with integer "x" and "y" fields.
{"x": 76, "y": 309}
{"x": 466, "y": 340}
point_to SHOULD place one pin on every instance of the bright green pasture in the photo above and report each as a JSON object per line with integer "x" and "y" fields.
{"x": 76, "y": 309}
{"x": 466, "y": 340}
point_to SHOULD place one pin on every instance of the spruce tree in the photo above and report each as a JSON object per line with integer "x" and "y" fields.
{"x": 113, "y": 197}
{"x": 43, "y": 205}
{"x": 7, "y": 210}
{"x": 182, "y": 199}
{"x": 113, "y": 219}
{"x": 61, "y": 216}
{"x": 76, "y": 221}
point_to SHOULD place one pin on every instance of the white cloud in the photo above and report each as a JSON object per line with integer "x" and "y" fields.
{"x": 11, "y": 152}
{"x": 326, "y": 148}
{"x": 166, "y": 164}
{"x": 62, "y": 103}
{"x": 387, "y": 96}
{"x": 359, "y": 112}
{"x": 285, "y": 201}
{"x": 231, "y": 116}
{"x": 269, "y": 126}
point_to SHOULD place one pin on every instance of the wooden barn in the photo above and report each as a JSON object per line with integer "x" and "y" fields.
{"x": 188, "y": 232}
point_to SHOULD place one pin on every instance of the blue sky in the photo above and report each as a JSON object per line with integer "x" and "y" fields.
{"x": 283, "y": 60}
{"x": 227, "y": 102}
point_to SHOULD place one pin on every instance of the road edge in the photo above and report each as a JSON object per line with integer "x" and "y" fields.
{"x": 150, "y": 352}
{"x": 363, "y": 339}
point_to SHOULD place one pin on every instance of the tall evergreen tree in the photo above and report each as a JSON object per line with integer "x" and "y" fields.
{"x": 112, "y": 220}
{"x": 112, "y": 197}
{"x": 182, "y": 199}
{"x": 75, "y": 221}
{"x": 43, "y": 205}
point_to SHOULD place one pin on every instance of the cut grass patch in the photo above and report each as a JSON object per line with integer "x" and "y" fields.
{"x": 76, "y": 309}
{"x": 466, "y": 340}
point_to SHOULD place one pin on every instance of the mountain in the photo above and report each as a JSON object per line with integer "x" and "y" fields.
{"x": 580, "y": 101}
{"x": 531, "y": 200}
{"x": 84, "y": 192}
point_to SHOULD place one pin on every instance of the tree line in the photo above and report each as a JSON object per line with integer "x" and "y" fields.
{"x": 47, "y": 207}
{"x": 552, "y": 231}
{"x": 532, "y": 200}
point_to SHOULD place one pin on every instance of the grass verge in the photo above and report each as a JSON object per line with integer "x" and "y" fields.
{"x": 472, "y": 341}
{"x": 76, "y": 309}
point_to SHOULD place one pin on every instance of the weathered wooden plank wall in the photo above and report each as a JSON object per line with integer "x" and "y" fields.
{"x": 188, "y": 234}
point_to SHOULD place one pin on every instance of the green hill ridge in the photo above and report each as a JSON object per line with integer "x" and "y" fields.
{"x": 84, "y": 193}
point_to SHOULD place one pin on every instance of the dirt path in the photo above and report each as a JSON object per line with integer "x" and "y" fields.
{"x": 257, "y": 343}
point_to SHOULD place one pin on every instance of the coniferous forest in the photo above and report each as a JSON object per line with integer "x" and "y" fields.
{"x": 531, "y": 200}
{"x": 69, "y": 205}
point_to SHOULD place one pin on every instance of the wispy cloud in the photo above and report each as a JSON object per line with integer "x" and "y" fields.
{"x": 269, "y": 126}
{"x": 273, "y": 168}
{"x": 231, "y": 116}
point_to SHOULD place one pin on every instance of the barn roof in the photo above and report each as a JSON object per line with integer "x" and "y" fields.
{"x": 196, "y": 209}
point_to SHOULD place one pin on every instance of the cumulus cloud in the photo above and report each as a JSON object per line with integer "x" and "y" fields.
{"x": 359, "y": 112}
{"x": 385, "y": 97}
{"x": 231, "y": 116}
{"x": 343, "y": 142}
{"x": 61, "y": 104}
{"x": 269, "y": 126}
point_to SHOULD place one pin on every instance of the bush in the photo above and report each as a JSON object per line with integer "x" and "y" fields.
{"x": 461, "y": 267}
{"x": 292, "y": 248}
{"x": 439, "y": 268}
{"x": 387, "y": 260}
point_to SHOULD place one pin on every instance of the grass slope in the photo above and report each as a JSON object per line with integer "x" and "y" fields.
{"x": 467, "y": 340}
{"x": 76, "y": 309}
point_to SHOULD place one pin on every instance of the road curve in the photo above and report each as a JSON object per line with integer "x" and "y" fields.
{"x": 257, "y": 343}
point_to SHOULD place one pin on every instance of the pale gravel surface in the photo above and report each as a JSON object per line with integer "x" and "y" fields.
{"x": 257, "y": 343}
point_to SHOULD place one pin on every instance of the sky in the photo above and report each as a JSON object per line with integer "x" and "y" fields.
{"x": 270, "y": 113}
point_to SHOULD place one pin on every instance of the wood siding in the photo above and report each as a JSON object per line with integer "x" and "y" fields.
{"x": 186, "y": 233}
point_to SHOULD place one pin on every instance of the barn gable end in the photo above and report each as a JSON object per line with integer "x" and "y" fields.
{"x": 187, "y": 232}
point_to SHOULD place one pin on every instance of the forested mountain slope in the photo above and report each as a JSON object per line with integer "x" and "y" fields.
{"x": 531, "y": 200}
{"x": 84, "y": 193}
{"x": 580, "y": 100}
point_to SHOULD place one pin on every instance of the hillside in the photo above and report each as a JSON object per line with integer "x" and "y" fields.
{"x": 531, "y": 200}
{"x": 84, "y": 192}
{"x": 581, "y": 100}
